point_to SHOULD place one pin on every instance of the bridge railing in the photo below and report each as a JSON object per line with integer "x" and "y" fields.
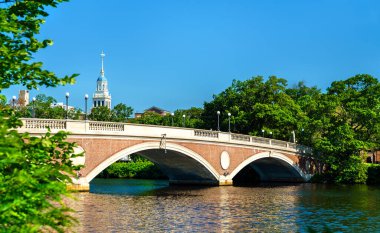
{"x": 206, "y": 133}
{"x": 34, "y": 125}
{"x": 44, "y": 123}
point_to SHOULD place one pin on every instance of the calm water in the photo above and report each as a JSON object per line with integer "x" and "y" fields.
{"x": 151, "y": 206}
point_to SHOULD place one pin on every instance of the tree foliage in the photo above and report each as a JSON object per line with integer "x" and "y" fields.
{"x": 119, "y": 113}
{"x": 34, "y": 171}
{"x": 20, "y": 23}
{"x": 255, "y": 105}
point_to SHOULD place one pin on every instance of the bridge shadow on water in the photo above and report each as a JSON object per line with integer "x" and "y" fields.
{"x": 161, "y": 188}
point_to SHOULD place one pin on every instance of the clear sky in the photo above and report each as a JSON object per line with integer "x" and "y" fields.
{"x": 175, "y": 54}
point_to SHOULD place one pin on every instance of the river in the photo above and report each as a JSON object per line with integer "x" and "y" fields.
{"x": 117, "y": 205}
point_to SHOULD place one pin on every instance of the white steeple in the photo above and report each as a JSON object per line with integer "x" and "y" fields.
{"x": 101, "y": 96}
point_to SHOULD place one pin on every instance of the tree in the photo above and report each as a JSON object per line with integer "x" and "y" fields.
{"x": 101, "y": 113}
{"x": 193, "y": 117}
{"x": 151, "y": 118}
{"x": 255, "y": 105}
{"x": 34, "y": 171}
{"x": 20, "y": 23}
{"x": 350, "y": 113}
{"x": 121, "y": 112}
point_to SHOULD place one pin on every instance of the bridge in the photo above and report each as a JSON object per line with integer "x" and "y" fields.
{"x": 185, "y": 156}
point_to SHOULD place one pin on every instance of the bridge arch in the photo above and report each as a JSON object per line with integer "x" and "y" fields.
{"x": 272, "y": 158}
{"x": 172, "y": 149}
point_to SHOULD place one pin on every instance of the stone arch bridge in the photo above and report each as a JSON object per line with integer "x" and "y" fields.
{"x": 186, "y": 156}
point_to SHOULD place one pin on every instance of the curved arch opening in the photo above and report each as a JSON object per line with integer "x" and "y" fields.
{"x": 264, "y": 167}
{"x": 179, "y": 164}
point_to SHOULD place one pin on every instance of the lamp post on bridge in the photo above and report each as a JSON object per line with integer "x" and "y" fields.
{"x": 218, "y": 113}
{"x": 172, "y": 118}
{"x": 67, "y": 104}
{"x": 271, "y": 134}
{"x": 263, "y": 131}
{"x": 13, "y": 101}
{"x": 33, "y": 107}
{"x": 85, "y": 106}
{"x": 184, "y": 118}
{"x": 229, "y": 122}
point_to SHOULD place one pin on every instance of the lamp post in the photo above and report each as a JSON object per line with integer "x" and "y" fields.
{"x": 184, "y": 118}
{"x": 229, "y": 122}
{"x": 33, "y": 110}
{"x": 67, "y": 104}
{"x": 263, "y": 131}
{"x": 271, "y": 134}
{"x": 294, "y": 136}
{"x": 13, "y": 101}
{"x": 172, "y": 118}
{"x": 218, "y": 113}
{"x": 85, "y": 106}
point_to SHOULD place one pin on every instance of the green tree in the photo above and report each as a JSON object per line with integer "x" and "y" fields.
{"x": 33, "y": 171}
{"x": 349, "y": 126}
{"x": 151, "y": 118}
{"x": 20, "y": 23}
{"x": 121, "y": 112}
{"x": 255, "y": 105}
{"x": 101, "y": 113}
{"x": 193, "y": 117}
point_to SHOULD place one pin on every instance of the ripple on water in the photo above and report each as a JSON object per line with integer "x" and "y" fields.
{"x": 227, "y": 209}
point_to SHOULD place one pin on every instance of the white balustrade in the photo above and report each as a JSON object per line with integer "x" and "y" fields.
{"x": 106, "y": 126}
{"x": 241, "y": 137}
{"x": 278, "y": 143}
{"x": 44, "y": 124}
{"x": 206, "y": 133}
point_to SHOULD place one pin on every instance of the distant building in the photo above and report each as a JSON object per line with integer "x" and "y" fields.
{"x": 22, "y": 100}
{"x": 155, "y": 109}
{"x": 61, "y": 105}
{"x": 373, "y": 157}
{"x": 101, "y": 96}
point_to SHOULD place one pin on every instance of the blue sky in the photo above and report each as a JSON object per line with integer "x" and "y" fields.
{"x": 175, "y": 54}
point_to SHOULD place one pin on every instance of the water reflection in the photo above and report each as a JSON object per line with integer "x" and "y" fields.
{"x": 152, "y": 206}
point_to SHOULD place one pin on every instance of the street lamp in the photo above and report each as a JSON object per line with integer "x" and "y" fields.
{"x": 85, "y": 106}
{"x": 184, "y": 118}
{"x": 229, "y": 122}
{"x": 67, "y": 104}
{"x": 33, "y": 110}
{"x": 13, "y": 101}
{"x": 172, "y": 118}
{"x": 270, "y": 134}
{"x": 218, "y": 113}
{"x": 294, "y": 136}
{"x": 263, "y": 131}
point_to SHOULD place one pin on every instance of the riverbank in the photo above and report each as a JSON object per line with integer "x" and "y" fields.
{"x": 137, "y": 169}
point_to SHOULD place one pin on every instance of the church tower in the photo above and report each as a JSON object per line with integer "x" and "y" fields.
{"x": 102, "y": 96}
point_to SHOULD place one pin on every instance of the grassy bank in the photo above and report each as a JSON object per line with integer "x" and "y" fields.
{"x": 138, "y": 168}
